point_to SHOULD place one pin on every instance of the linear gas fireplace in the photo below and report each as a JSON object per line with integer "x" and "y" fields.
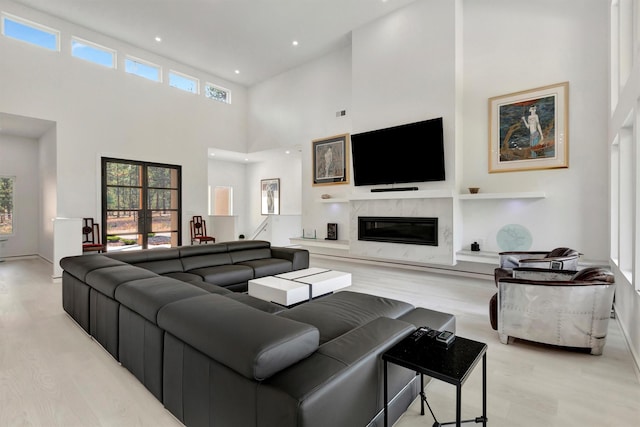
{"x": 409, "y": 230}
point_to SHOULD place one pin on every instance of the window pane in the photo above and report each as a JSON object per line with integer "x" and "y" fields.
{"x": 217, "y": 93}
{"x": 164, "y": 221}
{"x": 123, "y": 198}
{"x": 33, "y": 34}
{"x": 6, "y": 204}
{"x": 222, "y": 201}
{"x": 124, "y": 174}
{"x": 183, "y": 82}
{"x": 93, "y": 53}
{"x": 142, "y": 69}
{"x": 122, "y": 222}
{"x": 159, "y": 177}
{"x": 162, "y": 199}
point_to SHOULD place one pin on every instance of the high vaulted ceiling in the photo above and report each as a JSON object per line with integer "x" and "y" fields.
{"x": 221, "y": 36}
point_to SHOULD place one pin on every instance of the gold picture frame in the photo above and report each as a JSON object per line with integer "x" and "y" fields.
{"x": 331, "y": 160}
{"x": 529, "y": 130}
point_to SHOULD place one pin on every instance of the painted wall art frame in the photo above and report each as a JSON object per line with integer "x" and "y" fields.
{"x": 270, "y": 196}
{"x": 331, "y": 160}
{"x": 529, "y": 130}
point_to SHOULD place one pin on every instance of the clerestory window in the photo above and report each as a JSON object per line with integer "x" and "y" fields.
{"x": 30, "y": 32}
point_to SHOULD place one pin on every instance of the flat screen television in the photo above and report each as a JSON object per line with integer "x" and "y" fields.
{"x": 401, "y": 154}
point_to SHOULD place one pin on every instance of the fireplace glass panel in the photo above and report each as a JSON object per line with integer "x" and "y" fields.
{"x": 408, "y": 230}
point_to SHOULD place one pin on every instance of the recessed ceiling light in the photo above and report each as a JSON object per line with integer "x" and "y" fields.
{"x": 246, "y": 160}
{"x": 213, "y": 154}
{"x": 158, "y": 39}
{"x": 295, "y": 43}
{"x": 287, "y": 152}
{"x": 237, "y": 71}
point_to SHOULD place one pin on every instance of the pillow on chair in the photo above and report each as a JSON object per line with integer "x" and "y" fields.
{"x": 562, "y": 252}
{"x": 594, "y": 274}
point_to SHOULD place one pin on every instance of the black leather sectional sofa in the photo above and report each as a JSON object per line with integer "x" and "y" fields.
{"x": 219, "y": 358}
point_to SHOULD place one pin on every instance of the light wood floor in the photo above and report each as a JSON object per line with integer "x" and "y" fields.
{"x": 53, "y": 374}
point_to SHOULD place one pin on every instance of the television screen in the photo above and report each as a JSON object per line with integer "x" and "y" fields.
{"x": 401, "y": 154}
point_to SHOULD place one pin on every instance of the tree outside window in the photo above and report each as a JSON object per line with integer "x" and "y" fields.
{"x": 217, "y": 93}
{"x": 6, "y": 204}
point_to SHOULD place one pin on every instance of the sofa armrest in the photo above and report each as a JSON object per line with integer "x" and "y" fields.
{"x": 253, "y": 343}
{"x": 349, "y": 368}
{"x": 298, "y": 257}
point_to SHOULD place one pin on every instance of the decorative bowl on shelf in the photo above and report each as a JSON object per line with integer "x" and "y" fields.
{"x": 474, "y": 190}
{"x": 325, "y": 196}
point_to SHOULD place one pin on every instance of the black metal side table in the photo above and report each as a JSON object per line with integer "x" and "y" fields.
{"x": 452, "y": 365}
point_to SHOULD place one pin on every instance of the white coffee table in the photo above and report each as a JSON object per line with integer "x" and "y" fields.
{"x": 298, "y": 286}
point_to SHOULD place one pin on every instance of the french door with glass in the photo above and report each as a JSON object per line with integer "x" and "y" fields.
{"x": 141, "y": 204}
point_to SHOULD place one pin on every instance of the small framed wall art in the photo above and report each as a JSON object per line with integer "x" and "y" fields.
{"x": 331, "y": 160}
{"x": 270, "y": 196}
{"x": 332, "y": 231}
{"x": 529, "y": 129}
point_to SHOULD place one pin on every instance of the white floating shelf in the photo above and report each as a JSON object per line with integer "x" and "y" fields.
{"x": 390, "y": 195}
{"x": 478, "y": 256}
{"x": 322, "y": 243}
{"x": 490, "y": 196}
{"x": 336, "y": 200}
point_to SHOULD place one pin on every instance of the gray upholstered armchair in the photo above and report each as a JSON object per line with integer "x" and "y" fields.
{"x": 568, "y": 313}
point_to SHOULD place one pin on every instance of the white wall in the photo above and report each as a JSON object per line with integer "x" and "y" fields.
{"x": 287, "y": 168}
{"x": 102, "y": 112}
{"x": 511, "y": 46}
{"x": 19, "y": 158}
{"x": 231, "y": 174}
{"x": 47, "y": 165}
{"x": 623, "y": 138}
{"x": 295, "y": 108}
{"x": 412, "y": 65}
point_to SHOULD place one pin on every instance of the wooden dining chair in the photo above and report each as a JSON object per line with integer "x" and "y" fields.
{"x": 91, "y": 236}
{"x": 199, "y": 231}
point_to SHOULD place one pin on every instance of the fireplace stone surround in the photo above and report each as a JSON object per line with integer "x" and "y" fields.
{"x": 433, "y": 207}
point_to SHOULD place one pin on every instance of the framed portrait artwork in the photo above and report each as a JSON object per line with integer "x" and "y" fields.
{"x": 331, "y": 160}
{"x": 529, "y": 129}
{"x": 270, "y": 196}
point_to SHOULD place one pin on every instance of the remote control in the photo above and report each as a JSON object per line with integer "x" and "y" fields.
{"x": 419, "y": 333}
{"x": 446, "y": 338}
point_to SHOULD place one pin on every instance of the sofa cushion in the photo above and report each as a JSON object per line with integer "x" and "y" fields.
{"x": 162, "y": 267}
{"x": 244, "y": 245}
{"x": 78, "y": 266}
{"x": 207, "y": 260}
{"x": 254, "y": 302}
{"x": 185, "y": 277}
{"x": 106, "y": 280}
{"x": 147, "y": 296}
{"x": 348, "y": 311}
{"x": 197, "y": 281}
{"x": 224, "y": 275}
{"x": 250, "y": 254}
{"x": 196, "y": 250}
{"x": 136, "y": 257}
{"x": 249, "y": 341}
{"x": 268, "y": 266}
